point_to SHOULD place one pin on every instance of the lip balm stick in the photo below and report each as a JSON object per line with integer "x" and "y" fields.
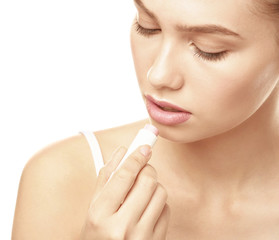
{"x": 147, "y": 135}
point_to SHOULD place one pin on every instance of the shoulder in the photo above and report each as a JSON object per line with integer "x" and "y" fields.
{"x": 57, "y": 184}
{"x": 64, "y": 159}
{"x": 73, "y": 155}
{"x": 71, "y": 158}
{"x": 54, "y": 191}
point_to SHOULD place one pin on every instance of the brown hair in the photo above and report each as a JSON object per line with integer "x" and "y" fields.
{"x": 269, "y": 7}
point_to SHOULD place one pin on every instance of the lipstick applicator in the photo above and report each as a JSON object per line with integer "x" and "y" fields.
{"x": 146, "y": 136}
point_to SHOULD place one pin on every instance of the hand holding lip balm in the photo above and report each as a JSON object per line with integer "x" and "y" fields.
{"x": 130, "y": 201}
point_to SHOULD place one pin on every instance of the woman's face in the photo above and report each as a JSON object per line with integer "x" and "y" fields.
{"x": 215, "y": 58}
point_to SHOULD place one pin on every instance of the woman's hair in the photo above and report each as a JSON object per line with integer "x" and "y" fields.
{"x": 268, "y": 9}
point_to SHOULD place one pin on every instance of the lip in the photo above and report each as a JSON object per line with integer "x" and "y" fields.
{"x": 163, "y": 116}
{"x": 165, "y": 104}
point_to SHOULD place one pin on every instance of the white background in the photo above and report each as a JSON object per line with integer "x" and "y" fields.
{"x": 65, "y": 66}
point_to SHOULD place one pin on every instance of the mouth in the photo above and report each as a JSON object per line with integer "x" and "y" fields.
{"x": 166, "y": 113}
{"x": 168, "y": 109}
{"x": 165, "y": 106}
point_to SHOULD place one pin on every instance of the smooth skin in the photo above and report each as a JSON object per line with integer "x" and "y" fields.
{"x": 216, "y": 175}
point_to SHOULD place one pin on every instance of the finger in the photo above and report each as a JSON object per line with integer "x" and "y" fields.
{"x": 139, "y": 196}
{"x": 117, "y": 188}
{"x": 155, "y": 207}
{"x": 108, "y": 169}
{"x": 161, "y": 227}
{"x": 115, "y": 159}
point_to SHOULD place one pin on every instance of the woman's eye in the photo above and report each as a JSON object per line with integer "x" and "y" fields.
{"x": 145, "y": 31}
{"x": 204, "y": 55}
{"x": 210, "y": 56}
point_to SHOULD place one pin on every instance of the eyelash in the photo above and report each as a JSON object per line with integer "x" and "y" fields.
{"x": 145, "y": 31}
{"x": 204, "y": 55}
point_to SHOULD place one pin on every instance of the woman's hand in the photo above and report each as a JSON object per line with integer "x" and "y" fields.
{"x": 131, "y": 205}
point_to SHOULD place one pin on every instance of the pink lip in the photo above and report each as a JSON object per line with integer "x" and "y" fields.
{"x": 163, "y": 116}
{"x": 165, "y": 104}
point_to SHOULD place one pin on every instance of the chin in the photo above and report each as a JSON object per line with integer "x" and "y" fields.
{"x": 179, "y": 133}
{"x": 191, "y": 133}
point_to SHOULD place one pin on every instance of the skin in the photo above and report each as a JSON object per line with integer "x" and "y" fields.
{"x": 212, "y": 177}
{"x": 231, "y": 140}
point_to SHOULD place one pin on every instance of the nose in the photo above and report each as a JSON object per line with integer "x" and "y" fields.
{"x": 164, "y": 72}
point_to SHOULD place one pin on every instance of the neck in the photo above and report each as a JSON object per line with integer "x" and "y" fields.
{"x": 247, "y": 154}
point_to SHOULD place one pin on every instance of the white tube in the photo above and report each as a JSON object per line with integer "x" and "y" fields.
{"x": 147, "y": 135}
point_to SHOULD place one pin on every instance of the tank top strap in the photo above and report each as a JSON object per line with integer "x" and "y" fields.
{"x": 95, "y": 150}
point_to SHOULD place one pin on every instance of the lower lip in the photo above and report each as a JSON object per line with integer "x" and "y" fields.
{"x": 165, "y": 117}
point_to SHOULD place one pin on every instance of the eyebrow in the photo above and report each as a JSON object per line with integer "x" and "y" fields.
{"x": 207, "y": 28}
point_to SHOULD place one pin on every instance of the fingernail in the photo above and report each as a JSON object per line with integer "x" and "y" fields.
{"x": 145, "y": 150}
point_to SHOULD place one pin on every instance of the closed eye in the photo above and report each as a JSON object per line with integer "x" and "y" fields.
{"x": 208, "y": 56}
{"x": 145, "y": 31}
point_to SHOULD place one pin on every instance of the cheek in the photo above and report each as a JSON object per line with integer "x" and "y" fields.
{"x": 239, "y": 90}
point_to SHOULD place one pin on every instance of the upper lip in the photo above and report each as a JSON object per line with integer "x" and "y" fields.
{"x": 165, "y": 104}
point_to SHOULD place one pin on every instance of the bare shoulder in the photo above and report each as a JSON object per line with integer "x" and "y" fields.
{"x": 54, "y": 192}
{"x": 57, "y": 184}
{"x": 60, "y": 157}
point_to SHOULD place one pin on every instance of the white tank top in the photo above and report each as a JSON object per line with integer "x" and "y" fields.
{"x": 95, "y": 150}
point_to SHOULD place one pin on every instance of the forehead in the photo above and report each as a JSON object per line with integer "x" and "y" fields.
{"x": 240, "y": 16}
{"x": 234, "y": 14}
{"x": 196, "y": 8}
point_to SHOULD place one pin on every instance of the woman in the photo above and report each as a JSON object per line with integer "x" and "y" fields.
{"x": 208, "y": 72}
